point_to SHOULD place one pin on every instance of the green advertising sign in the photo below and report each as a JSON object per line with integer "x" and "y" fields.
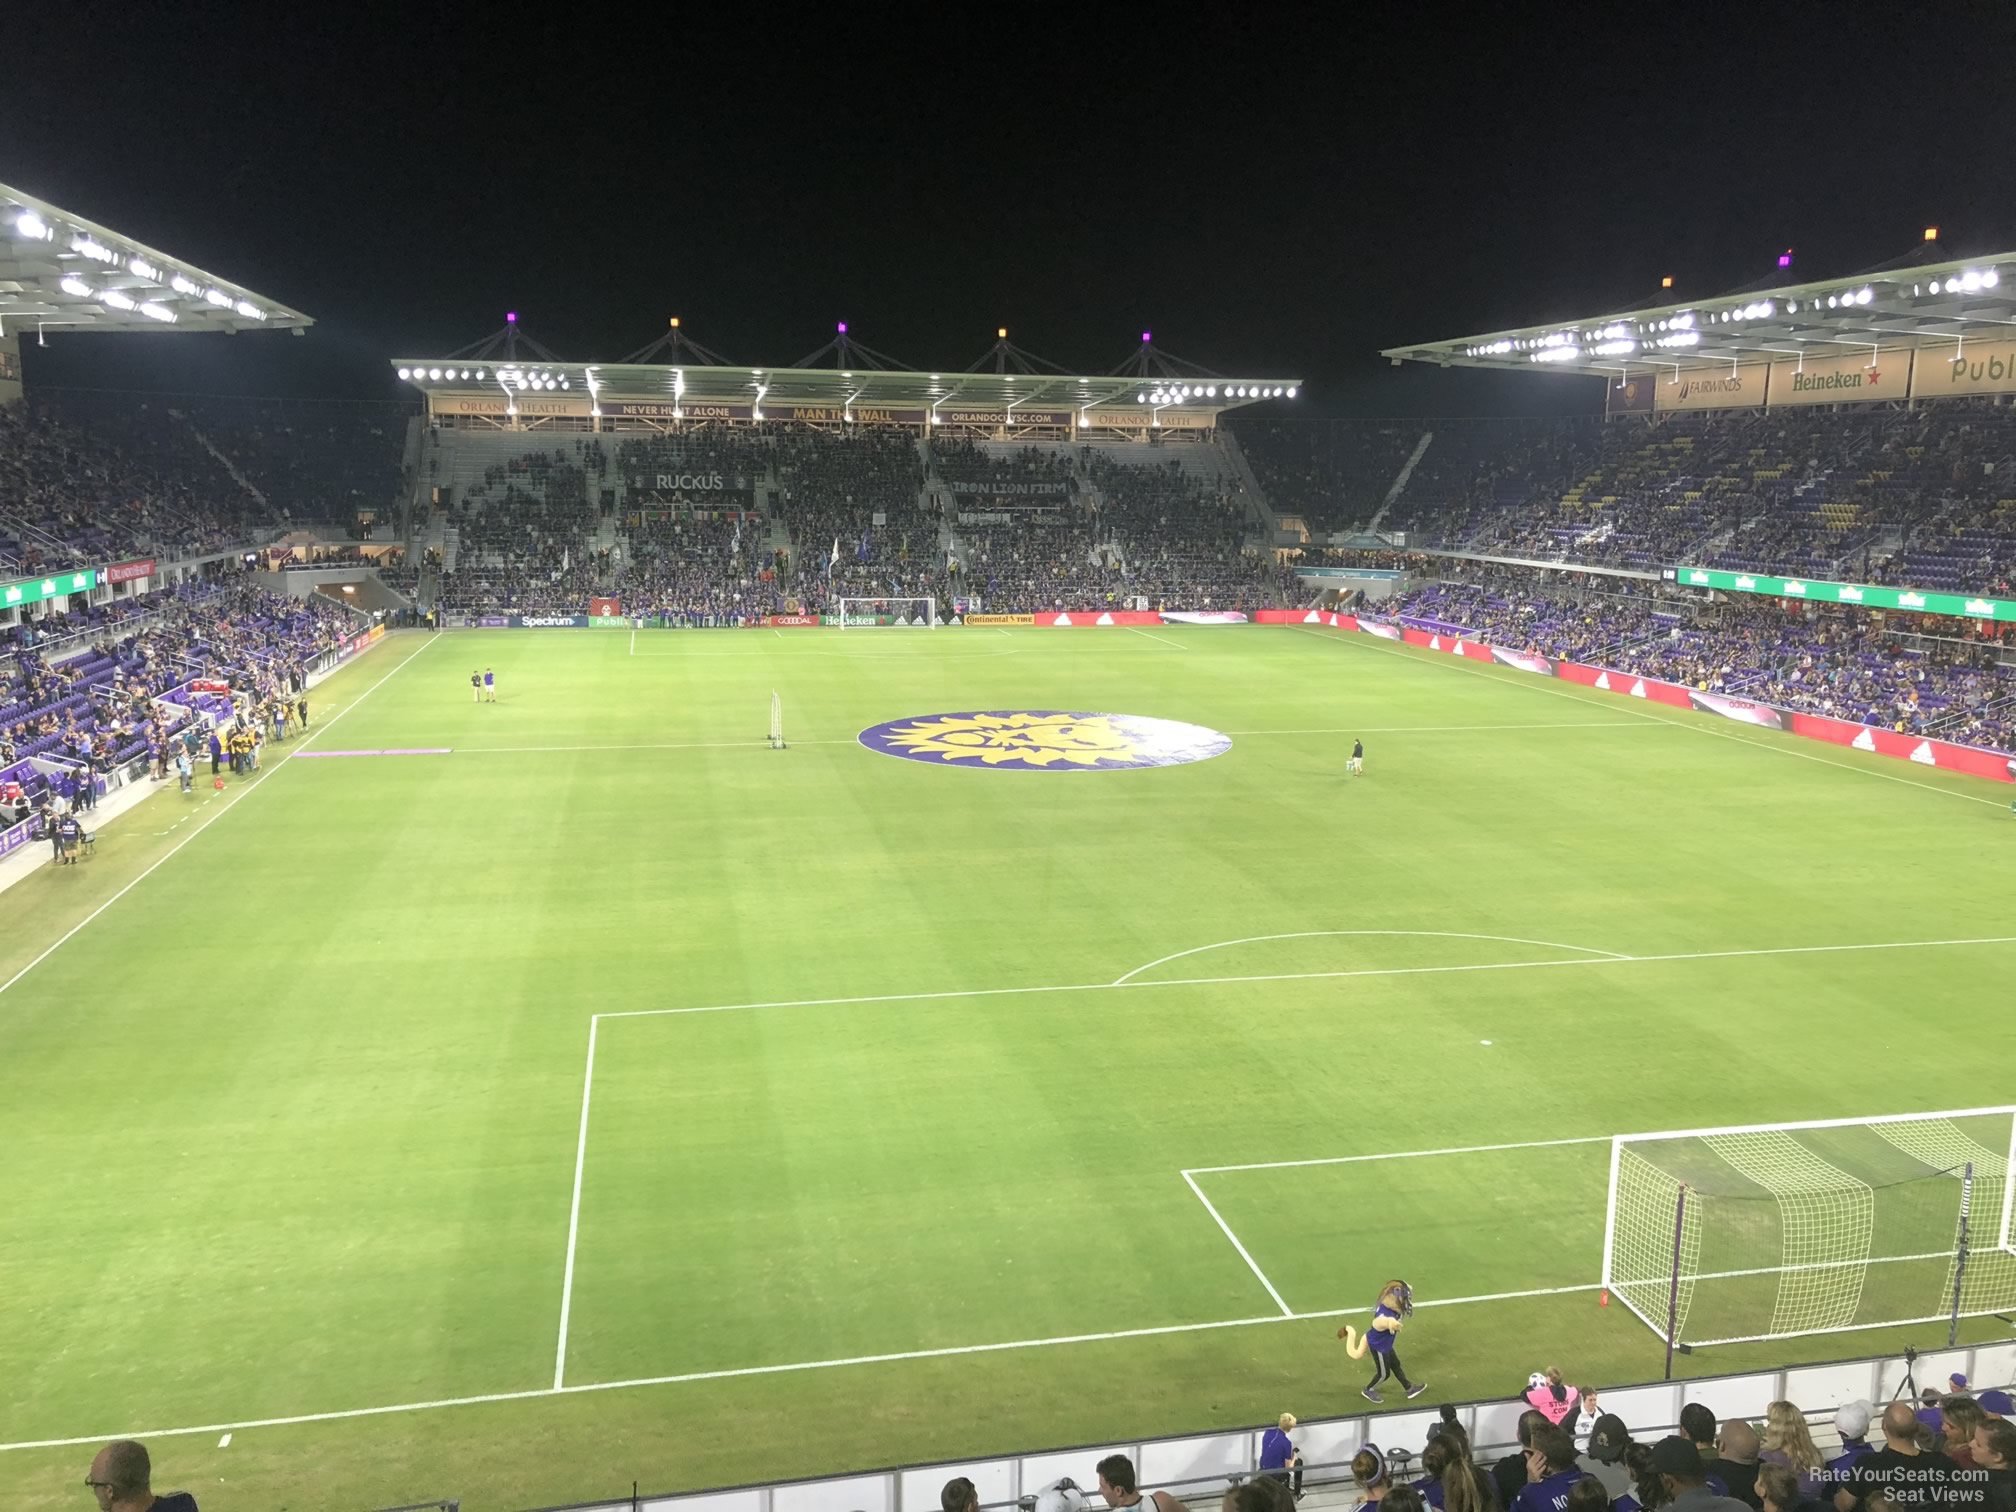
{"x": 1865, "y": 595}
{"x": 18, "y": 595}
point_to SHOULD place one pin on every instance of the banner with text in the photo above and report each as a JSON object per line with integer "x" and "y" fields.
{"x": 127, "y": 572}
{"x": 1712, "y": 388}
{"x": 1851, "y": 379}
{"x": 1863, "y": 595}
{"x": 18, "y": 595}
{"x": 1977, "y": 367}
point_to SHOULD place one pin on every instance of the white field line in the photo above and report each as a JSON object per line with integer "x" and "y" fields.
{"x": 238, "y": 797}
{"x": 1531, "y": 684}
{"x": 574, "y": 1213}
{"x": 725, "y": 745}
{"x": 1226, "y": 1229}
{"x": 1314, "y": 934}
{"x": 1483, "y": 1149}
{"x": 792, "y": 1368}
{"x": 1311, "y": 976}
{"x": 1162, "y": 638}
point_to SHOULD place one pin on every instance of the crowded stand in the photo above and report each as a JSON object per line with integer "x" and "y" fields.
{"x": 161, "y": 672}
{"x": 1330, "y": 474}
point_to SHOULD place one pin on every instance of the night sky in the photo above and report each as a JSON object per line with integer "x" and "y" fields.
{"x": 1272, "y": 190}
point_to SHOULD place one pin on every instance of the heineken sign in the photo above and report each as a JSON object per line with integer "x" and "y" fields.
{"x": 27, "y": 591}
{"x": 1865, "y": 595}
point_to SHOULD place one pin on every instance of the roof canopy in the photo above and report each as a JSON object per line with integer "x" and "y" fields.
{"x": 59, "y": 271}
{"x": 1930, "y": 304}
{"x": 781, "y": 389}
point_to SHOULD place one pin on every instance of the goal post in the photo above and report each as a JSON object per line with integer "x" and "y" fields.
{"x": 1775, "y": 1231}
{"x": 776, "y": 722}
{"x": 896, "y": 612}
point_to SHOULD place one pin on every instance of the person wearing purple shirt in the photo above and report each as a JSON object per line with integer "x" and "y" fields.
{"x": 1551, "y": 1472}
{"x": 1278, "y": 1457}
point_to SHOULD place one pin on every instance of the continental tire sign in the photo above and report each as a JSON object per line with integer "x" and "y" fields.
{"x": 1000, "y": 619}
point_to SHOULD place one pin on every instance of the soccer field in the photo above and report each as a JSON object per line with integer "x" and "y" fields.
{"x": 638, "y": 1102}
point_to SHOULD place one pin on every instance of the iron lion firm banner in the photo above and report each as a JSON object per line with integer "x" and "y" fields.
{"x": 1978, "y": 367}
{"x": 1712, "y": 388}
{"x": 1854, "y": 378}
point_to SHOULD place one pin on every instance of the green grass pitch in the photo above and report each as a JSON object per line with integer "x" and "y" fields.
{"x": 291, "y": 1128}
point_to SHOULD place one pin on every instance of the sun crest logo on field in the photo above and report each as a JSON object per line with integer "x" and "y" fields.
{"x": 1045, "y": 740}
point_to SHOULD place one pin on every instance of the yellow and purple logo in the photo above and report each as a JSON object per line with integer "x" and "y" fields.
{"x": 1045, "y": 740}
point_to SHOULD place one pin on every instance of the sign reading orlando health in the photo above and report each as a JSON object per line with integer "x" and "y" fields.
{"x": 1849, "y": 379}
{"x": 1045, "y": 740}
{"x": 1712, "y": 388}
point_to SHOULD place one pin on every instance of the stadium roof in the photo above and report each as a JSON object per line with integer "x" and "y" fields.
{"x": 59, "y": 271}
{"x": 837, "y": 388}
{"x": 1905, "y": 304}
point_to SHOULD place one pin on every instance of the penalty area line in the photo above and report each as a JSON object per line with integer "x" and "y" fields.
{"x": 790, "y": 1368}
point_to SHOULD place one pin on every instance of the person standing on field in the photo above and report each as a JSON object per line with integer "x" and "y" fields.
{"x": 489, "y": 686}
{"x": 1356, "y": 765}
{"x": 476, "y": 687}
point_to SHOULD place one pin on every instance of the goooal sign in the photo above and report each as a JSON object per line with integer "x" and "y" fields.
{"x": 35, "y": 590}
{"x": 1866, "y": 595}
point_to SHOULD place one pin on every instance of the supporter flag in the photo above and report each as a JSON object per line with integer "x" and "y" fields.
{"x": 833, "y": 560}
{"x": 861, "y": 550}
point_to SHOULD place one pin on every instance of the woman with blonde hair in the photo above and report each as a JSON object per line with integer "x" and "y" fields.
{"x": 1787, "y": 1442}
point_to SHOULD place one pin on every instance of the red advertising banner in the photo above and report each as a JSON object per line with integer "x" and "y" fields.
{"x": 801, "y": 620}
{"x": 1092, "y": 618}
{"x": 605, "y": 608}
{"x": 127, "y": 572}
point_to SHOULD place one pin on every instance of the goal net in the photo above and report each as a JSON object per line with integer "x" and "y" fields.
{"x": 1770, "y": 1231}
{"x": 865, "y": 613}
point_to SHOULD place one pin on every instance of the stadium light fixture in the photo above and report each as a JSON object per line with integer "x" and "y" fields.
{"x": 405, "y": 375}
{"x": 1291, "y": 391}
{"x": 481, "y": 375}
{"x": 434, "y": 376}
{"x": 182, "y": 285}
{"x": 32, "y": 226}
{"x": 139, "y": 267}
{"x": 842, "y": 328}
{"x": 113, "y": 299}
{"x": 1001, "y": 333}
{"x": 77, "y": 286}
{"x": 1785, "y": 258}
{"x": 249, "y": 310}
{"x": 1931, "y": 233}
{"x": 1618, "y": 348}
{"x": 510, "y": 317}
{"x": 158, "y": 312}
{"x": 1990, "y": 278}
{"x": 94, "y": 250}
{"x": 1666, "y": 282}
{"x": 1147, "y": 337}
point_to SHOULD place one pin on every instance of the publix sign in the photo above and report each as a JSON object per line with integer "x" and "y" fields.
{"x": 26, "y": 591}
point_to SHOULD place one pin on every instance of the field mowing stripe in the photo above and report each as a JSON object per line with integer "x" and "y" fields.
{"x": 574, "y": 1214}
{"x": 1483, "y": 1149}
{"x": 1318, "y": 934}
{"x": 1685, "y": 724}
{"x": 1310, "y": 976}
{"x": 1226, "y": 1229}
{"x": 231, "y": 804}
{"x": 792, "y": 1368}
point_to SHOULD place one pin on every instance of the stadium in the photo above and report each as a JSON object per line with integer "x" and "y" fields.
{"x": 637, "y": 931}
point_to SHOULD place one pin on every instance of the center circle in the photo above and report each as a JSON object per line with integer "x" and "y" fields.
{"x": 1045, "y": 740}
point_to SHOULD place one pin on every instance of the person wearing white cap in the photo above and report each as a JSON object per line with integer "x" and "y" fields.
{"x": 1851, "y": 1421}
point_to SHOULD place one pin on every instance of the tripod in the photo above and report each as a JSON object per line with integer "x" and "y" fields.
{"x": 1907, "y": 1389}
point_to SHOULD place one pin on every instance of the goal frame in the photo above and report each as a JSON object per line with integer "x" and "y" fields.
{"x": 2004, "y": 1238}
{"x": 844, "y": 608}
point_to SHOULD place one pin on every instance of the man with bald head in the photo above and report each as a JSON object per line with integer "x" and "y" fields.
{"x": 120, "y": 1478}
{"x": 1735, "y": 1462}
{"x": 1909, "y": 1476}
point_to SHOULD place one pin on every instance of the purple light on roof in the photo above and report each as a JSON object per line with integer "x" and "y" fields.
{"x": 511, "y": 318}
{"x": 1147, "y": 337}
{"x": 1784, "y": 259}
{"x": 843, "y": 328}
